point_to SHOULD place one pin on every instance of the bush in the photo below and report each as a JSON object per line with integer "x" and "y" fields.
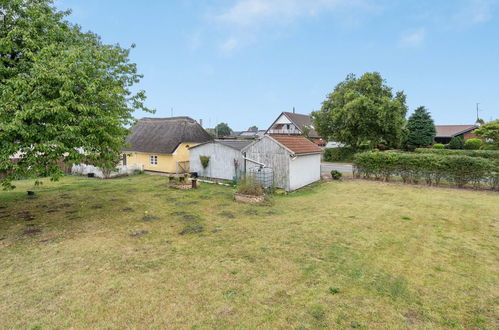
{"x": 336, "y": 175}
{"x": 249, "y": 186}
{"x": 438, "y": 146}
{"x": 456, "y": 142}
{"x": 205, "y": 160}
{"x": 473, "y": 144}
{"x": 343, "y": 154}
{"x": 430, "y": 167}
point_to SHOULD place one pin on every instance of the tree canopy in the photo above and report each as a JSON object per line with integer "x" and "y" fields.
{"x": 362, "y": 111}
{"x": 65, "y": 96}
{"x": 223, "y": 129}
{"x": 420, "y": 129}
{"x": 490, "y": 133}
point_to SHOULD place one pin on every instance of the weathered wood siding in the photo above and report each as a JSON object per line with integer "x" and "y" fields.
{"x": 273, "y": 155}
{"x": 221, "y": 164}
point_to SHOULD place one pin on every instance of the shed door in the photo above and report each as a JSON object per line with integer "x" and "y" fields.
{"x": 124, "y": 159}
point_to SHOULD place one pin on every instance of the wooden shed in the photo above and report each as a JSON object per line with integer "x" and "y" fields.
{"x": 226, "y": 160}
{"x": 295, "y": 161}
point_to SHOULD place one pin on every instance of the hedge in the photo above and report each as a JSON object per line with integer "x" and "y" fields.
{"x": 342, "y": 154}
{"x": 429, "y": 167}
{"x": 489, "y": 154}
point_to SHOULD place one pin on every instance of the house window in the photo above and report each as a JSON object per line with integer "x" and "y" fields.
{"x": 154, "y": 160}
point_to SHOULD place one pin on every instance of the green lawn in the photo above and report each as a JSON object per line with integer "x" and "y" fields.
{"x": 341, "y": 254}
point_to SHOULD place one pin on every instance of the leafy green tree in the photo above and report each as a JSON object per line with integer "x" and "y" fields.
{"x": 253, "y": 129}
{"x": 223, "y": 129}
{"x": 421, "y": 129}
{"x": 362, "y": 111}
{"x": 457, "y": 142}
{"x": 490, "y": 133}
{"x": 65, "y": 96}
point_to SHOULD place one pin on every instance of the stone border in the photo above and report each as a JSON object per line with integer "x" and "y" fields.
{"x": 249, "y": 199}
{"x": 180, "y": 186}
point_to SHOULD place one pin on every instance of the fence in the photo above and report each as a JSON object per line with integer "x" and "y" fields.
{"x": 84, "y": 169}
{"x": 264, "y": 176}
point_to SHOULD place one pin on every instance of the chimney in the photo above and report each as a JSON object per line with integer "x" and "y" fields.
{"x": 293, "y": 109}
{"x": 201, "y": 122}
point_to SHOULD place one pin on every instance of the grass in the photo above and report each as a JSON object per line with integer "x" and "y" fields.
{"x": 132, "y": 253}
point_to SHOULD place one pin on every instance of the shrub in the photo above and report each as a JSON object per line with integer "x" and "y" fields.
{"x": 343, "y": 154}
{"x": 336, "y": 175}
{"x": 205, "y": 160}
{"x": 430, "y": 167}
{"x": 473, "y": 144}
{"x": 456, "y": 142}
{"x": 249, "y": 186}
{"x": 438, "y": 146}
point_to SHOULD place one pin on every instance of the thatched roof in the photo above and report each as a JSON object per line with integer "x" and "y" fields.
{"x": 163, "y": 135}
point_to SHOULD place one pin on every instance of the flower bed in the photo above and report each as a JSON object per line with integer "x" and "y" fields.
{"x": 249, "y": 199}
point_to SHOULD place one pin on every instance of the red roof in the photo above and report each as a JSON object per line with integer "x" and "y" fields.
{"x": 297, "y": 144}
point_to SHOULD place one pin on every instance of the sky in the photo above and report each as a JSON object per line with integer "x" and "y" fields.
{"x": 244, "y": 62}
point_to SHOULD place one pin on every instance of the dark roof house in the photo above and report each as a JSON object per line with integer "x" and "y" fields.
{"x": 164, "y": 135}
{"x": 444, "y": 133}
{"x": 290, "y": 123}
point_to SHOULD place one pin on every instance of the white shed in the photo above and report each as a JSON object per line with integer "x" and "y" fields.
{"x": 294, "y": 160}
{"x": 226, "y": 160}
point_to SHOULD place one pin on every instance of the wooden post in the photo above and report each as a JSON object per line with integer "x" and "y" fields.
{"x": 194, "y": 183}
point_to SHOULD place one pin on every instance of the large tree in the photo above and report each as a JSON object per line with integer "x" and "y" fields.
{"x": 362, "y": 111}
{"x": 223, "y": 129}
{"x": 490, "y": 133}
{"x": 420, "y": 129}
{"x": 65, "y": 96}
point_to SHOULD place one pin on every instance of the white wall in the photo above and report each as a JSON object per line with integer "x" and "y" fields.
{"x": 304, "y": 170}
{"x": 221, "y": 164}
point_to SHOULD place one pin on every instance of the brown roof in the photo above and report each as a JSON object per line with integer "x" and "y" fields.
{"x": 453, "y": 130}
{"x": 297, "y": 144}
{"x": 163, "y": 135}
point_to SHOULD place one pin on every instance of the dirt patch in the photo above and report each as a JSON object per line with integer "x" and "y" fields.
{"x": 178, "y": 214}
{"x": 179, "y": 204}
{"x": 270, "y": 212}
{"x": 115, "y": 200}
{"x": 71, "y": 212}
{"x": 31, "y": 232}
{"x": 227, "y": 215}
{"x": 44, "y": 241}
{"x": 192, "y": 229}
{"x": 127, "y": 209}
{"x": 26, "y": 216}
{"x": 171, "y": 199}
{"x": 192, "y": 203}
{"x": 216, "y": 230}
{"x": 149, "y": 218}
{"x": 96, "y": 207}
{"x": 251, "y": 212}
{"x": 74, "y": 218}
{"x": 139, "y": 233}
{"x": 190, "y": 218}
{"x": 51, "y": 211}
{"x": 65, "y": 205}
{"x": 158, "y": 195}
{"x": 223, "y": 205}
{"x": 64, "y": 196}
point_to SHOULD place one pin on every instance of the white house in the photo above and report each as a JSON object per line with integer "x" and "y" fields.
{"x": 295, "y": 161}
{"x": 226, "y": 160}
{"x": 290, "y": 123}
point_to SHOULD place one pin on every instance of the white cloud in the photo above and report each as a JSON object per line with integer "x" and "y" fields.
{"x": 246, "y": 18}
{"x": 475, "y": 12}
{"x": 413, "y": 38}
{"x": 247, "y": 13}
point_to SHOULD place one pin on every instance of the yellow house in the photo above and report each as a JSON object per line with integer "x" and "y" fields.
{"x": 162, "y": 144}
